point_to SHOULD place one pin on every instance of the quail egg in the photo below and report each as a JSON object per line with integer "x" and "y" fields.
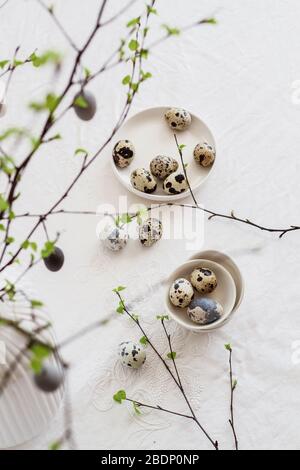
{"x": 123, "y": 153}
{"x": 181, "y": 293}
{"x": 162, "y": 166}
{"x": 204, "y": 154}
{"x": 178, "y": 119}
{"x": 85, "y": 105}
{"x": 204, "y": 280}
{"x": 150, "y": 232}
{"x": 132, "y": 355}
{"x": 204, "y": 311}
{"x": 142, "y": 180}
{"x": 50, "y": 378}
{"x": 55, "y": 261}
{"x": 176, "y": 183}
{"x": 114, "y": 238}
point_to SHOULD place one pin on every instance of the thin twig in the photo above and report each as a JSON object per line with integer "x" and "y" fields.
{"x": 58, "y": 24}
{"x": 233, "y": 385}
{"x": 184, "y": 169}
{"x": 158, "y": 408}
{"x": 119, "y": 13}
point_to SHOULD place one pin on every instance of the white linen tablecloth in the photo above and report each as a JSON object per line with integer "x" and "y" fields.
{"x": 241, "y": 78}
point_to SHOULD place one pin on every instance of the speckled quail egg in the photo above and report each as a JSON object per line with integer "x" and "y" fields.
{"x": 114, "y": 238}
{"x": 204, "y": 280}
{"x": 204, "y": 154}
{"x": 142, "y": 180}
{"x": 181, "y": 293}
{"x": 204, "y": 311}
{"x": 123, "y": 153}
{"x": 176, "y": 183}
{"x": 178, "y": 119}
{"x": 162, "y": 166}
{"x": 132, "y": 355}
{"x": 150, "y": 232}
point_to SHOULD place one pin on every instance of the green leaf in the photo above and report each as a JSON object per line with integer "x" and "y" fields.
{"x": 144, "y": 340}
{"x": 3, "y": 204}
{"x": 80, "y": 102}
{"x": 171, "y": 31}
{"x": 228, "y": 347}
{"x": 2, "y": 228}
{"x": 126, "y": 80}
{"x": 151, "y": 10}
{"x": 48, "y": 249}
{"x": 40, "y": 351}
{"x": 120, "y": 308}
{"x": 135, "y": 317}
{"x": 39, "y": 354}
{"x": 9, "y": 240}
{"x": 162, "y": 317}
{"x": 11, "y": 215}
{"x": 16, "y": 62}
{"x": 50, "y": 104}
{"x": 172, "y": 355}
{"x": 209, "y": 21}
{"x": 126, "y": 219}
{"x": 133, "y": 45}
{"x": 119, "y": 289}
{"x": 133, "y": 22}
{"x": 55, "y": 445}
{"x": 145, "y": 54}
{"x": 234, "y": 385}
{"x": 81, "y": 151}
{"x": 136, "y": 408}
{"x": 135, "y": 87}
{"x": 25, "y": 245}
{"x": 120, "y": 396}
{"x": 33, "y": 246}
{"x": 146, "y": 75}
{"x": 46, "y": 58}
{"x": 87, "y": 72}
{"x": 3, "y": 63}
{"x": 36, "y": 304}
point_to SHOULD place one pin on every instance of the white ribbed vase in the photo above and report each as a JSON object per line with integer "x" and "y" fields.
{"x": 25, "y": 411}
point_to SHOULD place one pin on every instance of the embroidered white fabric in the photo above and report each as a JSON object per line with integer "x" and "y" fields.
{"x": 241, "y": 78}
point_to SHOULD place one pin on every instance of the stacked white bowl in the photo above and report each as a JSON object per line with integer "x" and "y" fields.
{"x": 229, "y": 292}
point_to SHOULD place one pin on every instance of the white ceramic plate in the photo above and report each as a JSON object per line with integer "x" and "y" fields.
{"x": 225, "y": 293}
{"x": 151, "y": 136}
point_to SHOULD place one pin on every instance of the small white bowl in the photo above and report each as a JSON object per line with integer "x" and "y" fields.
{"x": 225, "y": 293}
{"x": 151, "y": 136}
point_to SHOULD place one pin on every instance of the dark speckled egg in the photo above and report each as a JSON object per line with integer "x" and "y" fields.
{"x": 123, "y": 153}
{"x": 205, "y": 311}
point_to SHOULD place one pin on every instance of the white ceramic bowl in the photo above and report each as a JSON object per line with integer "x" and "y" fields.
{"x": 227, "y": 262}
{"x": 151, "y": 136}
{"x": 225, "y": 293}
